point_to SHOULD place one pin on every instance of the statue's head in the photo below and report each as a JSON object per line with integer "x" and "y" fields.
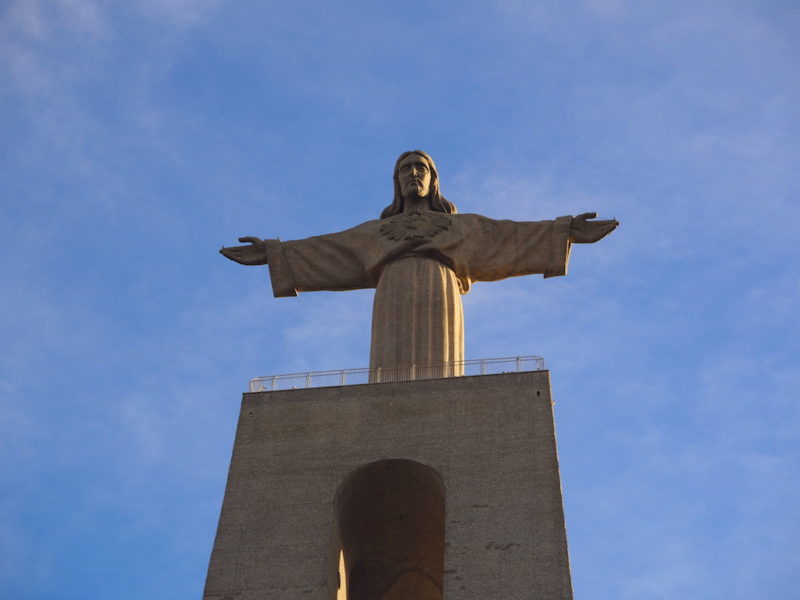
{"x": 409, "y": 176}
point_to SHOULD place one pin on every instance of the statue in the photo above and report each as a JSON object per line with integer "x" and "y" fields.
{"x": 420, "y": 257}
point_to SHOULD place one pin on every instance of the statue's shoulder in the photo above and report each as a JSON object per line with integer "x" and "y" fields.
{"x": 357, "y": 230}
{"x": 471, "y": 220}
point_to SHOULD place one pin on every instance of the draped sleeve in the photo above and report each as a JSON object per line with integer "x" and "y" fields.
{"x": 492, "y": 250}
{"x": 333, "y": 262}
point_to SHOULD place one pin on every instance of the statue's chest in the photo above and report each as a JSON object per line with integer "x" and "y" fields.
{"x": 415, "y": 226}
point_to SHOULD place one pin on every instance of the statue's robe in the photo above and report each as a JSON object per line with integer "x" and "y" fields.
{"x": 420, "y": 262}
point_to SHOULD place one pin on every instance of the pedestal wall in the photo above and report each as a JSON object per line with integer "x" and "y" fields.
{"x": 490, "y": 437}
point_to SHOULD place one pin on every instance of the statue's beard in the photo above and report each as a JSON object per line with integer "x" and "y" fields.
{"x": 416, "y": 190}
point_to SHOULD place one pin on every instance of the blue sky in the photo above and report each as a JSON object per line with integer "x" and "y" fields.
{"x": 138, "y": 138}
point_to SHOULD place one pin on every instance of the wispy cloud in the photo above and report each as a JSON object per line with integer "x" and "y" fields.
{"x": 29, "y": 32}
{"x": 184, "y": 13}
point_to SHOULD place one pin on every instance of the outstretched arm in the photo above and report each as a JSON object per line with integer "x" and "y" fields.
{"x": 495, "y": 250}
{"x": 326, "y": 262}
{"x": 254, "y": 254}
{"x": 583, "y": 231}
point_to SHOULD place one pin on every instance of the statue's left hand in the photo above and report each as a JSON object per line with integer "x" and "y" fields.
{"x": 583, "y": 231}
{"x": 254, "y": 254}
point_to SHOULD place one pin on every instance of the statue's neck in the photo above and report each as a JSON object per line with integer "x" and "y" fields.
{"x": 416, "y": 203}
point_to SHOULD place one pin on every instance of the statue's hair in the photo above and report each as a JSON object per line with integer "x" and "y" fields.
{"x": 437, "y": 202}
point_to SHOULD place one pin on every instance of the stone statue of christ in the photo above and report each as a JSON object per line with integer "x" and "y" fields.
{"x": 420, "y": 257}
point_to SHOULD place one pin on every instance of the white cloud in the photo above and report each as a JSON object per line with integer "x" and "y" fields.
{"x": 609, "y": 8}
{"x": 536, "y": 15}
{"x": 20, "y": 553}
{"x": 144, "y": 422}
{"x": 29, "y": 32}
{"x": 183, "y": 13}
{"x": 521, "y": 193}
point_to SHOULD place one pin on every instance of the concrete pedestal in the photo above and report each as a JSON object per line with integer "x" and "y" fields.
{"x": 491, "y": 439}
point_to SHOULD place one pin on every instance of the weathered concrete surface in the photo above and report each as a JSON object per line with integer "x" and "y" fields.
{"x": 491, "y": 438}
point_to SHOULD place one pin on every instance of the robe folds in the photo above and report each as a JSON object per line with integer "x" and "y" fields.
{"x": 420, "y": 262}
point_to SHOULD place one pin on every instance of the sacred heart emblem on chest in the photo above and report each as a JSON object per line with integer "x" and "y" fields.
{"x": 415, "y": 225}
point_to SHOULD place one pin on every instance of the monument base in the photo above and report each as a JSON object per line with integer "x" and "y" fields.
{"x": 490, "y": 439}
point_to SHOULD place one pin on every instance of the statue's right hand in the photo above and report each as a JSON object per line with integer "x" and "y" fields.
{"x": 254, "y": 254}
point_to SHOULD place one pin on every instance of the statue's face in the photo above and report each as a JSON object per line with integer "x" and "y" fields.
{"x": 414, "y": 176}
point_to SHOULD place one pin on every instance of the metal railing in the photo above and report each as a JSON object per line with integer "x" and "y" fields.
{"x": 479, "y": 366}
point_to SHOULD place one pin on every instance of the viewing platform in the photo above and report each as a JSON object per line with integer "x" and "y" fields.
{"x": 464, "y": 368}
